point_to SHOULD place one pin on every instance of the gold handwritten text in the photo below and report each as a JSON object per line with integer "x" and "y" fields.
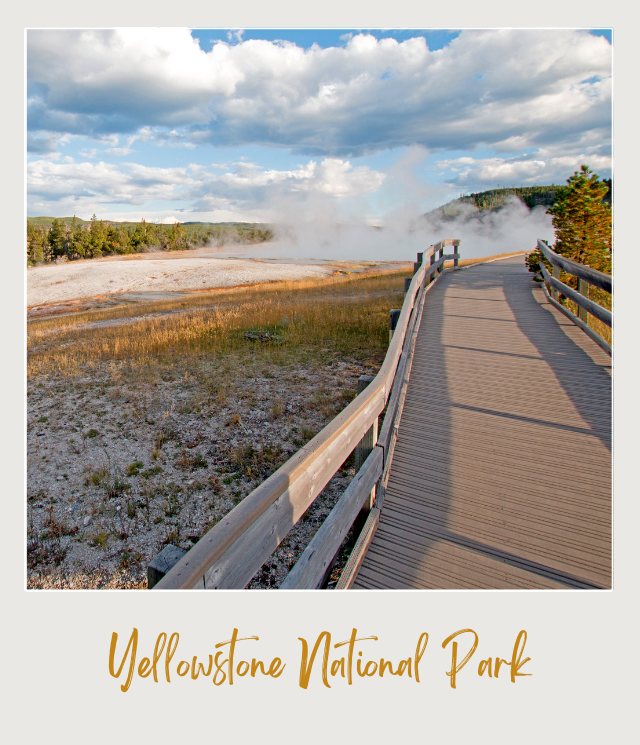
{"x": 489, "y": 666}
{"x": 222, "y": 667}
{"x": 324, "y": 660}
{"x": 352, "y": 662}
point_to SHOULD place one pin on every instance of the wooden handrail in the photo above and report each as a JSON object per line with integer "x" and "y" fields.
{"x": 586, "y": 275}
{"x": 233, "y": 550}
{"x": 311, "y": 568}
{"x": 602, "y": 314}
{"x": 592, "y": 276}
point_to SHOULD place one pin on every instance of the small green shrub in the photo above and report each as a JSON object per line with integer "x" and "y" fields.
{"x": 152, "y": 471}
{"x": 188, "y": 462}
{"x": 256, "y": 462}
{"x": 116, "y": 487}
{"x": 99, "y": 539}
{"x": 172, "y": 505}
{"x": 133, "y": 469}
{"x": 533, "y": 260}
{"x": 95, "y": 478}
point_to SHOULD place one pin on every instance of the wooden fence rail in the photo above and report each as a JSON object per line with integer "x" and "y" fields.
{"x": 554, "y": 287}
{"x": 230, "y": 553}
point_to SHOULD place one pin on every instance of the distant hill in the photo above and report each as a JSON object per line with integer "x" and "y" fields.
{"x": 494, "y": 199}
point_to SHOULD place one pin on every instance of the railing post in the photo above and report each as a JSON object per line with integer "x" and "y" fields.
{"x": 555, "y": 272}
{"x": 418, "y": 262}
{"x": 394, "y": 314}
{"x": 160, "y": 564}
{"x": 456, "y": 254}
{"x": 407, "y": 283}
{"x": 432, "y": 261}
{"x": 441, "y": 252}
{"x": 583, "y": 289}
{"x": 366, "y": 444}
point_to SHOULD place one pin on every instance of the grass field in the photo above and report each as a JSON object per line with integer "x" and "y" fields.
{"x": 305, "y": 318}
{"x": 148, "y": 422}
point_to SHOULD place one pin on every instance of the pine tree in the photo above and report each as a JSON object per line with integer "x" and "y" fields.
{"x": 38, "y": 249}
{"x": 117, "y": 240}
{"x": 97, "y": 238}
{"x": 140, "y": 238}
{"x": 78, "y": 240}
{"x": 176, "y": 239}
{"x": 582, "y": 221}
{"x": 58, "y": 238}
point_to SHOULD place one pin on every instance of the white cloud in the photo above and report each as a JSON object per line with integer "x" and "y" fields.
{"x": 120, "y": 151}
{"x": 492, "y": 172}
{"x": 87, "y": 187}
{"x": 485, "y": 87}
{"x": 235, "y": 36}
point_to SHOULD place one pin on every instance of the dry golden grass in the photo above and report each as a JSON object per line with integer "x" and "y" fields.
{"x": 347, "y": 274}
{"x": 331, "y": 316}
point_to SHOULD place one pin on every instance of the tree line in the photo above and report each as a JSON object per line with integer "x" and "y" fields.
{"x": 494, "y": 199}
{"x": 73, "y": 238}
{"x": 532, "y": 196}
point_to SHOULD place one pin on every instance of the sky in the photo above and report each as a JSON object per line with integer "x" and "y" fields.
{"x": 260, "y": 125}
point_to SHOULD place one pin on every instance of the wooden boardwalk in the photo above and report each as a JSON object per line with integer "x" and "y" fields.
{"x": 501, "y": 476}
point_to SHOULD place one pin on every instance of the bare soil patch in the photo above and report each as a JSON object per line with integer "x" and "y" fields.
{"x": 118, "y": 470}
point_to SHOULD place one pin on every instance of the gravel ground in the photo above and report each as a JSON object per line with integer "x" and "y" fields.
{"x": 119, "y": 466}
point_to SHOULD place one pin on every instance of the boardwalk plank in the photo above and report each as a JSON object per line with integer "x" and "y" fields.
{"x": 507, "y": 401}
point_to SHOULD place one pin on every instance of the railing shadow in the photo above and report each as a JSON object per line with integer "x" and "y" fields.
{"x": 422, "y": 478}
{"x": 563, "y": 347}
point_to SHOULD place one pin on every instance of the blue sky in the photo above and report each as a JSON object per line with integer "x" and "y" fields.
{"x": 255, "y": 124}
{"x": 436, "y": 38}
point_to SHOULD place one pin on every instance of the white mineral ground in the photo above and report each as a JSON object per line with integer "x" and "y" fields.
{"x": 55, "y": 283}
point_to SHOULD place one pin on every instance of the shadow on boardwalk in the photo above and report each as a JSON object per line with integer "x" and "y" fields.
{"x": 502, "y": 472}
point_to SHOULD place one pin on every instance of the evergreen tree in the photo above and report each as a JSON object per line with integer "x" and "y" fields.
{"x": 38, "y": 249}
{"x": 78, "y": 240}
{"x": 58, "y": 238}
{"x": 140, "y": 236}
{"x": 582, "y": 221}
{"x": 175, "y": 238}
{"x": 97, "y": 238}
{"x": 117, "y": 240}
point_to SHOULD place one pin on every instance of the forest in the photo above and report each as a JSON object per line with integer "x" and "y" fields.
{"x": 70, "y": 238}
{"x": 494, "y": 199}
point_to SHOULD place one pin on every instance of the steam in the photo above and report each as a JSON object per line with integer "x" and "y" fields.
{"x": 399, "y": 236}
{"x": 332, "y": 223}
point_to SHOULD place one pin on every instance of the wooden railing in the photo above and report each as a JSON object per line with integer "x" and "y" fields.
{"x": 230, "y": 553}
{"x": 554, "y": 287}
